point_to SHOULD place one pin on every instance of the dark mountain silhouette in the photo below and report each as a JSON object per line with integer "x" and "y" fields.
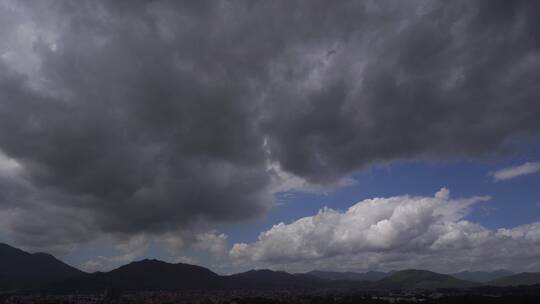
{"x": 269, "y": 279}
{"x": 421, "y": 279}
{"x": 525, "y": 278}
{"x": 158, "y": 275}
{"x": 482, "y": 276}
{"x": 23, "y": 270}
{"x": 146, "y": 275}
{"x": 369, "y": 276}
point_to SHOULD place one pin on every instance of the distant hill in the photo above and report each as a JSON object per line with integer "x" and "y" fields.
{"x": 369, "y": 276}
{"x": 482, "y": 276}
{"x": 21, "y": 270}
{"x": 146, "y": 275}
{"x": 421, "y": 279}
{"x": 269, "y": 279}
{"x": 525, "y": 278}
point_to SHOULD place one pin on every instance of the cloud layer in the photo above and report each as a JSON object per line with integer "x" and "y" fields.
{"x": 137, "y": 117}
{"x": 393, "y": 233}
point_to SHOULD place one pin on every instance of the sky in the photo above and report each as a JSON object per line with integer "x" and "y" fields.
{"x": 290, "y": 135}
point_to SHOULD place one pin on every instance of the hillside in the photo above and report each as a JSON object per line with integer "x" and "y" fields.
{"x": 146, "y": 275}
{"x": 481, "y": 276}
{"x": 421, "y": 279}
{"x": 525, "y": 278}
{"x": 23, "y": 270}
{"x": 268, "y": 279}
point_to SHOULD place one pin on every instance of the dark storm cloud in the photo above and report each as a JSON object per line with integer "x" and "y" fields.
{"x": 149, "y": 116}
{"x": 445, "y": 81}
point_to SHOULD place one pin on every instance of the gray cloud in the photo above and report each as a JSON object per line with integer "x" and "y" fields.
{"x": 147, "y": 117}
{"x": 437, "y": 81}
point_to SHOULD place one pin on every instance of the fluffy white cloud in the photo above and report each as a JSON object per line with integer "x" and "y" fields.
{"x": 516, "y": 171}
{"x": 385, "y": 233}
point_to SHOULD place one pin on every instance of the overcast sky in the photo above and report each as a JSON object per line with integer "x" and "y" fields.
{"x": 295, "y": 135}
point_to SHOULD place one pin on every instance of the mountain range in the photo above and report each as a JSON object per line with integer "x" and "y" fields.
{"x": 421, "y": 279}
{"x": 23, "y": 271}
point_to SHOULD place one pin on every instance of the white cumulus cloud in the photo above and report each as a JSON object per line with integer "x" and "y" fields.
{"x": 392, "y": 233}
